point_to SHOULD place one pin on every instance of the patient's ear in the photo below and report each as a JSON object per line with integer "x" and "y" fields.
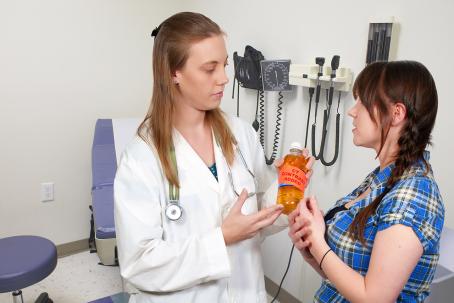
{"x": 398, "y": 113}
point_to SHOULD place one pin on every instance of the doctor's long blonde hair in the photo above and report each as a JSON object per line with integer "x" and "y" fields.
{"x": 170, "y": 53}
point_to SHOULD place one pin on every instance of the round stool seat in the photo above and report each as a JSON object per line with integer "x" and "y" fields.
{"x": 24, "y": 261}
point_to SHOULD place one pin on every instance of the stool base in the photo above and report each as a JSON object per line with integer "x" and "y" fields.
{"x": 17, "y": 297}
{"x": 43, "y": 297}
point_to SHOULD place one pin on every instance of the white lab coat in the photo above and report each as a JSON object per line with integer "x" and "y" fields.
{"x": 187, "y": 260}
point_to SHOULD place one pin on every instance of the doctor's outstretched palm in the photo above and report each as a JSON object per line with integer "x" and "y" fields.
{"x": 237, "y": 226}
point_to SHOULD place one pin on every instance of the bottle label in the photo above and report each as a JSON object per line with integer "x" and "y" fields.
{"x": 291, "y": 175}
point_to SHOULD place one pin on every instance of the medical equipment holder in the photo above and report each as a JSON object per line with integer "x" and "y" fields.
{"x": 306, "y": 76}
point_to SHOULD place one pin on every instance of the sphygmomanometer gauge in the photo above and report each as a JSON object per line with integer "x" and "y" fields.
{"x": 275, "y": 75}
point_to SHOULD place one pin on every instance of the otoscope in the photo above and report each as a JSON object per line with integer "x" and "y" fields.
{"x": 334, "y": 67}
{"x": 319, "y": 61}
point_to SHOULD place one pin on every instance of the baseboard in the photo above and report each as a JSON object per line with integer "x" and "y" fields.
{"x": 284, "y": 296}
{"x": 72, "y": 248}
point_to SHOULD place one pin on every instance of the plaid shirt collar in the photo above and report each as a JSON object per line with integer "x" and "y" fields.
{"x": 377, "y": 180}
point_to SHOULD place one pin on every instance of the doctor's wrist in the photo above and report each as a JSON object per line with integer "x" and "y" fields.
{"x": 228, "y": 237}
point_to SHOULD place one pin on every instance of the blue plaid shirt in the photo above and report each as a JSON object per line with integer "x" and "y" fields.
{"x": 414, "y": 201}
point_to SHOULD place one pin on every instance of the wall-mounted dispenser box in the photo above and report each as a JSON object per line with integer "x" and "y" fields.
{"x": 381, "y": 43}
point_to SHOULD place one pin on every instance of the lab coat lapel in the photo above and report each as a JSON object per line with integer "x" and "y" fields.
{"x": 189, "y": 160}
{"x": 223, "y": 177}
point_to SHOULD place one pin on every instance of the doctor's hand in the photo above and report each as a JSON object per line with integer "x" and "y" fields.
{"x": 237, "y": 227}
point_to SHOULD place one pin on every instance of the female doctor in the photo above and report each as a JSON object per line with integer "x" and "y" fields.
{"x": 188, "y": 212}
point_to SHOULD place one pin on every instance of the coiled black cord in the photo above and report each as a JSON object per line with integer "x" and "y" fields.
{"x": 277, "y": 129}
{"x": 255, "y": 123}
{"x": 262, "y": 118}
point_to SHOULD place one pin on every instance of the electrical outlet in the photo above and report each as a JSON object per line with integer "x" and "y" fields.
{"x": 47, "y": 191}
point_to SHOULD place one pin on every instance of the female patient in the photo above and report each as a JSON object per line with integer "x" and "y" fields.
{"x": 380, "y": 243}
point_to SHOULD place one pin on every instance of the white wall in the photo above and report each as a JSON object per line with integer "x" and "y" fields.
{"x": 302, "y": 30}
{"x": 63, "y": 64}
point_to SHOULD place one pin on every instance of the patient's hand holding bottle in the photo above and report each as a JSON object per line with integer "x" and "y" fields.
{"x": 292, "y": 178}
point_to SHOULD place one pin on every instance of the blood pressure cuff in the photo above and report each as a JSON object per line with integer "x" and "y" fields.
{"x": 247, "y": 68}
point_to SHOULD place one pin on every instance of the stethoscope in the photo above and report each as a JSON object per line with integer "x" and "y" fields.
{"x": 174, "y": 210}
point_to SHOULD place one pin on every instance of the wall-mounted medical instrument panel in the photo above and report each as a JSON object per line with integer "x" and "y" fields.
{"x": 318, "y": 78}
{"x": 308, "y": 76}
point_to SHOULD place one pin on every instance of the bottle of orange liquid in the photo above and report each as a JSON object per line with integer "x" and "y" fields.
{"x": 292, "y": 178}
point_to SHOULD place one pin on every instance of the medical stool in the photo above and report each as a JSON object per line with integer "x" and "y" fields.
{"x": 24, "y": 261}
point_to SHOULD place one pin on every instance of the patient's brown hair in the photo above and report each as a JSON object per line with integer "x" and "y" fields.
{"x": 410, "y": 83}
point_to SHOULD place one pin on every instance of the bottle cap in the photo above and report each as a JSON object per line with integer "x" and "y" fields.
{"x": 296, "y": 145}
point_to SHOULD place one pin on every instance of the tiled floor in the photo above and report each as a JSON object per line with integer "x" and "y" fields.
{"x": 77, "y": 279}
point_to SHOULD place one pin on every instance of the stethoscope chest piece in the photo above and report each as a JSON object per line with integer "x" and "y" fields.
{"x": 173, "y": 210}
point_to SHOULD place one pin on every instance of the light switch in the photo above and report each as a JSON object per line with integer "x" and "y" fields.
{"x": 47, "y": 191}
